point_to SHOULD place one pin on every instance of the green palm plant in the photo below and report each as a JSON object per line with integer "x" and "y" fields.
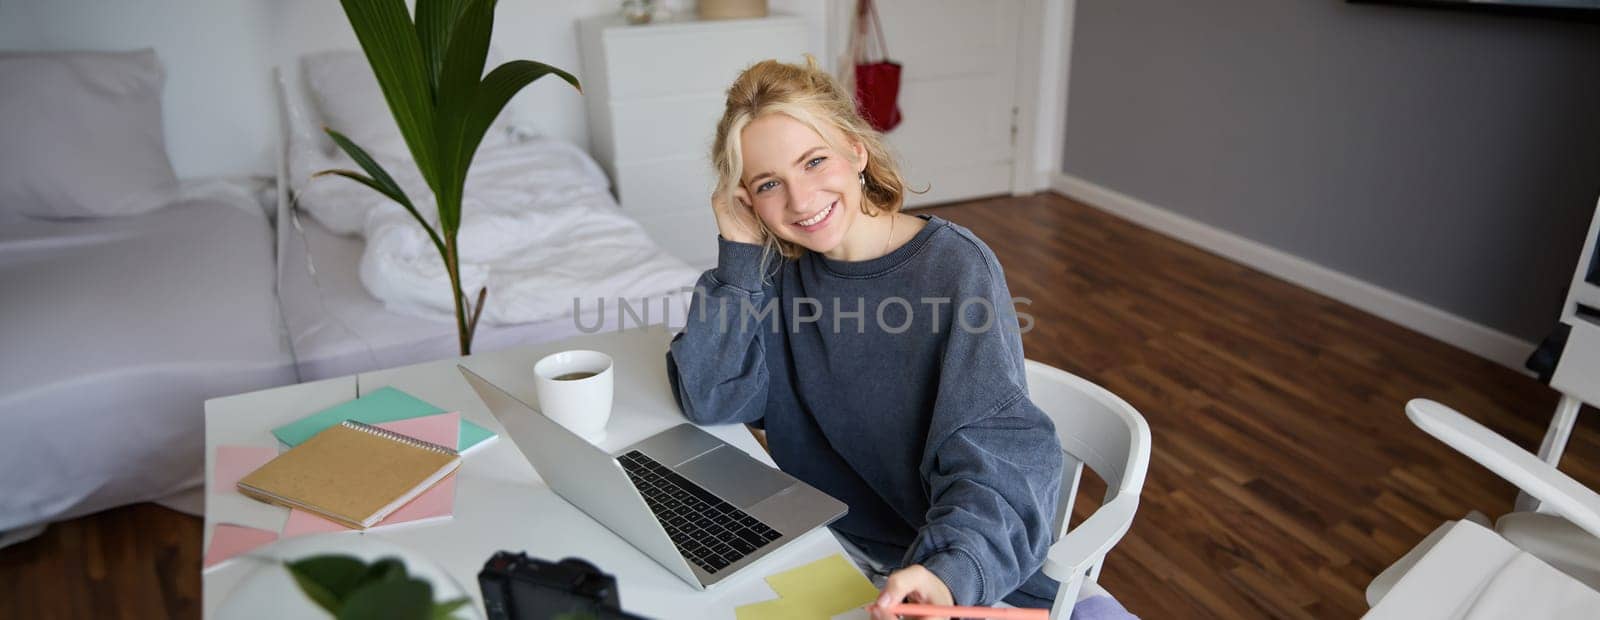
{"x": 431, "y": 74}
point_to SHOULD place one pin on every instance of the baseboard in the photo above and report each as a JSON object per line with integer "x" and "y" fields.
{"x": 1481, "y": 340}
{"x": 1044, "y": 180}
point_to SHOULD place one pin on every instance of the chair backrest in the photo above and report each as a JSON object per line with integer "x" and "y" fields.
{"x": 1096, "y": 428}
{"x": 1583, "y": 297}
{"x": 1578, "y": 372}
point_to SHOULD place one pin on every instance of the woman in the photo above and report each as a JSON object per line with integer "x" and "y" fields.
{"x": 879, "y": 350}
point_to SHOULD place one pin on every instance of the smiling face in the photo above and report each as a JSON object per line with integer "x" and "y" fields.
{"x": 805, "y": 192}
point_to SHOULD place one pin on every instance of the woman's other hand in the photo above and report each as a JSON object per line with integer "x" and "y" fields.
{"x": 912, "y": 584}
{"x": 736, "y": 220}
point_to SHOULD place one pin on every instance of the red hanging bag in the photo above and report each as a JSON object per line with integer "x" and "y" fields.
{"x": 877, "y": 83}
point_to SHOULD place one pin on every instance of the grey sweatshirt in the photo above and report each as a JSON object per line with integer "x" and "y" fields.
{"x": 895, "y": 385}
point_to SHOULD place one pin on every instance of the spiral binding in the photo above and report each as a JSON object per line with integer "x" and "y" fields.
{"x": 388, "y": 434}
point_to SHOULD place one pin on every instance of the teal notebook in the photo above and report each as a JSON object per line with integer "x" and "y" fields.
{"x": 383, "y": 405}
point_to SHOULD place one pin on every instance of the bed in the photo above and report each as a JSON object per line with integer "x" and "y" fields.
{"x": 337, "y": 328}
{"x": 116, "y": 331}
{"x": 131, "y": 297}
{"x": 543, "y": 205}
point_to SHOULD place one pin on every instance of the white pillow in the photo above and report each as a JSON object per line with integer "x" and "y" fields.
{"x": 350, "y": 102}
{"x": 83, "y": 134}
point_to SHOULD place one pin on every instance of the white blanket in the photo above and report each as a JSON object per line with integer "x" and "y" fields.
{"x": 539, "y": 229}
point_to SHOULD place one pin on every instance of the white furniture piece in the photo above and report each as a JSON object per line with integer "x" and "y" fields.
{"x": 1543, "y": 559}
{"x": 1471, "y": 572}
{"x": 1583, "y": 298}
{"x": 1577, "y": 374}
{"x": 654, "y": 94}
{"x": 501, "y": 503}
{"x": 1104, "y": 432}
{"x": 115, "y": 330}
{"x": 1543, "y": 567}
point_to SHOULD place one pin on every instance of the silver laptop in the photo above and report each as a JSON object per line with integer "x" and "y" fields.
{"x": 698, "y": 506}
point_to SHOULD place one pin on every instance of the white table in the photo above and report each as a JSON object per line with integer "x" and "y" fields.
{"x": 501, "y": 503}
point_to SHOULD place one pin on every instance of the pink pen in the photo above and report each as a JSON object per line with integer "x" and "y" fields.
{"x": 949, "y": 611}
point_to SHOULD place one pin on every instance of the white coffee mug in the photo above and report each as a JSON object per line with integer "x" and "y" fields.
{"x": 574, "y": 389}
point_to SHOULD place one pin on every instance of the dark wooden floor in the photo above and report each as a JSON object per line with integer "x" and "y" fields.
{"x": 1284, "y": 474}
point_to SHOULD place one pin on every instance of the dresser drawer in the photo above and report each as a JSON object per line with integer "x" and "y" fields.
{"x": 665, "y": 186}
{"x": 689, "y": 57}
{"x": 691, "y": 236}
{"x": 665, "y": 128}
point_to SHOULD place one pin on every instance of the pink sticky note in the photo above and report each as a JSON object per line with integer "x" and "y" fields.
{"x": 235, "y": 462}
{"x": 439, "y": 501}
{"x": 301, "y": 523}
{"x": 434, "y": 503}
{"x": 229, "y": 540}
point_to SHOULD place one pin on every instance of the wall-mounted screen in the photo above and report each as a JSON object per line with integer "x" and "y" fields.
{"x": 1584, "y": 10}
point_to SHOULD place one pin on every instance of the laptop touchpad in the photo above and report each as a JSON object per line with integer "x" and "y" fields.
{"x": 734, "y": 476}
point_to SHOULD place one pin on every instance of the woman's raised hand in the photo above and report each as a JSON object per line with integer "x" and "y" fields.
{"x": 735, "y": 219}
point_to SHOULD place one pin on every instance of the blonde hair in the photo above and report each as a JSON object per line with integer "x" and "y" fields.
{"x": 809, "y": 95}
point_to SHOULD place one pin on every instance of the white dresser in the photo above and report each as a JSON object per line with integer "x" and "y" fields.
{"x": 654, "y": 94}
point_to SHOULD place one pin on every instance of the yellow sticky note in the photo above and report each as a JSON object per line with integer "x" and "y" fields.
{"x": 776, "y": 609}
{"x": 824, "y": 588}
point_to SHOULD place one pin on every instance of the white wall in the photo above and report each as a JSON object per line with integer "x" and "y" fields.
{"x": 1054, "y": 70}
{"x": 219, "y": 109}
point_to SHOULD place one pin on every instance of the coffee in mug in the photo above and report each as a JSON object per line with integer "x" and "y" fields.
{"x": 575, "y": 389}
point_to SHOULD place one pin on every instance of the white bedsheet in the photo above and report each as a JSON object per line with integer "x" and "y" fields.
{"x": 115, "y": 331}
{"x": 539, "y": 228}
{"x": 338, "y": 329}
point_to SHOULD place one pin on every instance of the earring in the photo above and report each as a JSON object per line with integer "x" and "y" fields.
{"x": 862, "y": 176}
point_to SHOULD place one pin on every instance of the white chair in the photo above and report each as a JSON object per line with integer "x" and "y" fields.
{"x": 1530, "y": 565}
{"x": 1577, "y": 373}
{"x": 1102, "y": 431}
{"x": 1551, "y": 542}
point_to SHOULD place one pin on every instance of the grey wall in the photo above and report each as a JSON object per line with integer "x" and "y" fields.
{"x": 1452, "y": 158}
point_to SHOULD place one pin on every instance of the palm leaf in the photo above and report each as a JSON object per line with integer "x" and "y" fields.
{"x": 500, "y": 86}
{"x": 360, "y": 178}
{"x": 435, "y": 20}
{"x": 390, "y": 42}
{"x": 431, "y": 74}
{"x": 367, "y": 181}
{"x": 389, "y": 187}
{"x": 463, "y": 65}
{"x": 380, "y": 181}
{"x": 489, "y": 99}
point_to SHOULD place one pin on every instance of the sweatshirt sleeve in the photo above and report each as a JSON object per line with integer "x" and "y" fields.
{"x": 992, "y": 461}
{"x": 717, "y": 364}
{"x": 994, "y": 486}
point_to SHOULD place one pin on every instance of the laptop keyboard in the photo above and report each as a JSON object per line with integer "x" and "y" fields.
{"x": 710, "y": 532}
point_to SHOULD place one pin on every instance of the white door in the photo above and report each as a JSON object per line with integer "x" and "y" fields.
{"x": 957, "y": 92}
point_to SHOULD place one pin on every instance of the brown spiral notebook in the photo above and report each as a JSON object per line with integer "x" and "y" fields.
{"x": 352, "y": 473}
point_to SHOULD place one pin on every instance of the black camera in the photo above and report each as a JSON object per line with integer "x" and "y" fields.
{"x": 517, "y": 587}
